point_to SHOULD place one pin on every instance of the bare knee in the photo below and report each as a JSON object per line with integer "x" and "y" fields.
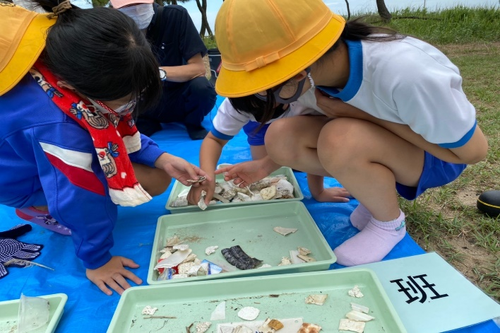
{"x": 340, "y": 144}
{"x": 281, "y": 141}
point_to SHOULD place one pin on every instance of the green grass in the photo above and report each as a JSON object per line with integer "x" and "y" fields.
{"x": 457, "y": 25}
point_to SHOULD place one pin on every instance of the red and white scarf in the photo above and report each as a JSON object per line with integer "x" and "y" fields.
{"x": 114, "y": 137}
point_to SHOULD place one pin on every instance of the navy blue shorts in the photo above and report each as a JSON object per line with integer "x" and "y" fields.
{"x": 435, "y": 173}
{"x": 254, "y": 137}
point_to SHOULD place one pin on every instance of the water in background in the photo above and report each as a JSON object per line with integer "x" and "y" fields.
{"x": 356, "y": 6}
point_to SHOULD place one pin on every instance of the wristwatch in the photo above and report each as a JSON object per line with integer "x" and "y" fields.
{"x": 163, "y": 74}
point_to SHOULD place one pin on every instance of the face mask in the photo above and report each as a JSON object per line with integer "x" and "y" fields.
{"x": 308, "y": 99}
{"x": 142, "y": 14}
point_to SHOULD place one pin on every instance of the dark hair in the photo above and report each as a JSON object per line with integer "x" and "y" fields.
{"x": 355, "y": 29}
{"x": 256, "y": 107}
{"x": 101, "y": 53}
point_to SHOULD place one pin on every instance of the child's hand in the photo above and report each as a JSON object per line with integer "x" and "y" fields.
{"x": 180, "y": 169}
{"x": 113, "y": 275}
{"x": 194, "y": 194}
{"x": 244, "y": 174}
{"x": 332, "y": 194}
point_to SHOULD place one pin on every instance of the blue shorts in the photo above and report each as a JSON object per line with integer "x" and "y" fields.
{"x": 254, "y": 137}
{"x": 435, "y": 173}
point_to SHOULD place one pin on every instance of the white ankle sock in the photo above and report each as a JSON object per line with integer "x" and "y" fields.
{"x": 372, "y": 243}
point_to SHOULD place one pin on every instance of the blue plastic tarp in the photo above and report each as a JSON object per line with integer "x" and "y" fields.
{"x": 88, "y": 309}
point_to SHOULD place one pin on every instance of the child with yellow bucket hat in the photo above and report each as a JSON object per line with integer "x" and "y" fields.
{"x": 236, "y": 114}
{"x": 70, "y": 81}
{"x": 400, "y": 121}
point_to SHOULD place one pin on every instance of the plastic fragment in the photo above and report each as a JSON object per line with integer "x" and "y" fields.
{"x": 359, "y": 316}
{"x": 220, "y": 312}
{"x": 360, "y": 308}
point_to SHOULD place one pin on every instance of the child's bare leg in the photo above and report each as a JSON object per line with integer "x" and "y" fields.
{"x": 368, "y": 160}
{"x": 293, "y": 141}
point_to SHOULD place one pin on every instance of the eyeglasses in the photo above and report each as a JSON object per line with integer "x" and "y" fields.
{"x": 287, "y": 92}
{"x": 120, "y": 111}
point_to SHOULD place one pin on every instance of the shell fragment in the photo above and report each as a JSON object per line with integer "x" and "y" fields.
{"x": 248, "y": 313}
{"x": 284, "y": 231}
{"x": 316, "y": 299}
{"x": 355, "y": 292}
{"x": 203, "y": 327}
{"x": 211, "y": 249}
{"x": 309, "y": 328}
{"x": 351, "y": 325}
{"x": 149, "y": 310}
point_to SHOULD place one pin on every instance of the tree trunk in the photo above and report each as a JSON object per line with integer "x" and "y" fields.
{"x": 205, "y": 27}
{"x": 383, "y": 12}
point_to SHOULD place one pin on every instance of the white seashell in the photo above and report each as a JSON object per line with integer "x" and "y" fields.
{"x": 351, "y": 325}
{"x": 190, "y": 258}
{"x": 268, "y": 193}
{"x": 248, "y": 313}
{"x": 211, "y": 249}
{"x": 185, "y": 267}
{"x": 218, "y": 189}
{"x": 305, "y": 258}
{"x": 243, "y": 197}
{"x": 174, "y": 260}
{"x": 304, "y": 251}
{"x": 316, "y": 299}
{"x": 359, "y": 316}
{"x": 360, "y": 308}
{"x": 265, "y": 266}
{"x": 257, "y": 197}
{"x": 220, "y": 198}
{"x": 181, "y": 247}
{"x": 203, "y": 327}
{"x": 355, "y": 292}
{"x": 193, "y": 271}
{"x": 285, "y": 231}
{"x": 285, "y": 261}
{"x": 148, "y": 310}
{"x": 284, "y": 189}
{"x": 220, "y": 312}
{"x": 165, "y": 254}
{"x": 201, "y": 202}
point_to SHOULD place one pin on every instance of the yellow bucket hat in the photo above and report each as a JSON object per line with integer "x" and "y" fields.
{"x": 266, "y": 42}
{"x": 21, "y": 42}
